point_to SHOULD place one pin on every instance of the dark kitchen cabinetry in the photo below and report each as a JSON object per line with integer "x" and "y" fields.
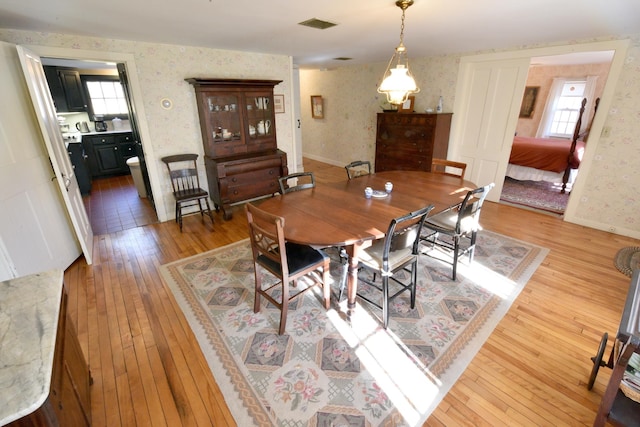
{"x": 66, "y": 89}
{"x": 409, "y": 141}
{"x": 80, "y": 166}
{"x": 237, "y": 121}
{"x": 108, "y": 153}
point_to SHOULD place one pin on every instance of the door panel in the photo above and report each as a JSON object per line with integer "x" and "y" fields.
{"x": 489, "y": 96}
{"x": 35, "y": 231}
{"x": 58, "y": 156}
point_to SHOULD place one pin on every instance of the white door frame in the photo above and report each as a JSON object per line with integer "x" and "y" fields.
{"x": 132, "y": 72}
{"x": 619, "y": 46}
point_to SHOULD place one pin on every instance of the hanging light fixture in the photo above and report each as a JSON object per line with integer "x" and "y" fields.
{"x": 397, "y": 82}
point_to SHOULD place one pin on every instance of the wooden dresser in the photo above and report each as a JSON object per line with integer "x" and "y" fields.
{"x": 408, "y": 141}
{"x": 238, "y": 127}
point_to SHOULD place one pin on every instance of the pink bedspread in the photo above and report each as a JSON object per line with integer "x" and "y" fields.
{"x": 545, "y": 153}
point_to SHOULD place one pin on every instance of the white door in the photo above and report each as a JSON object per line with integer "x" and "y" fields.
{"x": 64, "y": 174}
{"x": 35, "y": 231}
{"x": 488, "y": 98}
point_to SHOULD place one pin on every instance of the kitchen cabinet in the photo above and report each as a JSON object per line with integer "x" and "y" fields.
{"x": 66, "y": 89}
{"x": 80, "y": 166}
{"x": 237, "y": 122}
{"x": 108, "y": 153}
{"x": 409, "y": 141}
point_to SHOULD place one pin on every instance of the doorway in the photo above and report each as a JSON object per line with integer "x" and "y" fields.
{"x": 113, "y": 202}
{"x": 541, "y": 189}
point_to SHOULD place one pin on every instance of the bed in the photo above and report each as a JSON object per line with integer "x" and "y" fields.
{"x": 548, "y": 159}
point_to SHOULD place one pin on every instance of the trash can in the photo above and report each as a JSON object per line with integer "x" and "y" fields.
{"x": 136, "y": 174}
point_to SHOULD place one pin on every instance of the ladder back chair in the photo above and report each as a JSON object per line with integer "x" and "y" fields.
{"x": 358, "y": 168}
{"x": 457, "y": 222}
{"x": 386, "y": 258}
{"x": 304, "y": 180}
{"x": 183, "y": 172}
{"x": 288, "y": 262}
{"x": 445, "y": 167}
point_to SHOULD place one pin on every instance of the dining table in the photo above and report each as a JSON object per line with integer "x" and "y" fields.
{"x": 338, "y": 214}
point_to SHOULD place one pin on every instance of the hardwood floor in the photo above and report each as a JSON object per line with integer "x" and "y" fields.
{"x": 149, "y": 371}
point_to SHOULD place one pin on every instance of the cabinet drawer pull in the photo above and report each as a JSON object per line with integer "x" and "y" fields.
{"x": 234, "y": 179}
{"x": 271, "y": 172}
{"x": 235, "y": 191}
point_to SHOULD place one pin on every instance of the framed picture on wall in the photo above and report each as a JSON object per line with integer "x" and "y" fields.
{"x": 278, "y": 103}
{"x": 317, "y": 107}
{"x": 407, "y": 107}
{"x": 529, "y": 101}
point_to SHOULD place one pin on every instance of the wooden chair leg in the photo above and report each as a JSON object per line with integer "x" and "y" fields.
{"x": 385, "y": 301}
{"x": 326, "y": 290}
{"x": 284, "y": 308}
{"x": 256, "y": 301}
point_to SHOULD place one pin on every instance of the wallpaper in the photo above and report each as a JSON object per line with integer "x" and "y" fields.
{"x": 611, "y": 199}
{"x": 162, "y": 70}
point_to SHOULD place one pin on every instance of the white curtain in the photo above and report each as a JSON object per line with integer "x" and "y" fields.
{"x": 554, "y": 93}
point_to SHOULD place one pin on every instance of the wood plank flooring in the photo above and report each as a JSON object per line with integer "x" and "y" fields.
{"x": 148, "y": 369}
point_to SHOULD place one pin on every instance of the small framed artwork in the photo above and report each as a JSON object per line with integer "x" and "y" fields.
{"x": 529, "y": 101}
{"x": 407, "y": 106}
{"x": 278, "y": 103}
{"x": 317, "y": 108}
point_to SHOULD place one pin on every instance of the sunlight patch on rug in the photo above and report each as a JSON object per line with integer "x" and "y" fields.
{"x": 332, "y": 369}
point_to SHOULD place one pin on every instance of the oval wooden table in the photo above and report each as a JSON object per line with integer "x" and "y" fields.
{"x": 338, "y": 214}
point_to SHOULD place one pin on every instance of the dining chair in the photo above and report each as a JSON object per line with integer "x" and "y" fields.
{"x": 288, "y": 262}
{"x": 457, "y": 222}
{"x": 381, "y": 264}
{"x": 445, "y": 167}
{"x": 303, "y": 181}
{"x": 185, "y": 183}
{"x": 358, "y": 168}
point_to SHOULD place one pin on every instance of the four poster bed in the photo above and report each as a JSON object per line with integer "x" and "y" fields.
{"x": 549, "y": 159}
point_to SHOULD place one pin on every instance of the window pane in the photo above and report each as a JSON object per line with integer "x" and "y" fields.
{"x": 107, "y": 97}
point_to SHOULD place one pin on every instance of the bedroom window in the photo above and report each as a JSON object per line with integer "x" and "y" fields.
{"x": 566, "y": 109}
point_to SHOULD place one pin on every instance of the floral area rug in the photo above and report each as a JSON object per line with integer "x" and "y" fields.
{"x": 331, "y": 368}
{"x": 540, "y": 195}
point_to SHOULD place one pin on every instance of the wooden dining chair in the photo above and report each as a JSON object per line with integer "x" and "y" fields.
{"x": 303, "y": 181}
{"x": 183, "y": 172}
{"x": 288, "y": 262}
{"x": 358, "y": 168}
{"x": 381, "y": 262}
{"x": 448, "y": 167}
{"x": 457, "y": 222}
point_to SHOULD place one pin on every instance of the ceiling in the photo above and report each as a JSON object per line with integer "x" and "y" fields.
{"x": 366, "y": 30}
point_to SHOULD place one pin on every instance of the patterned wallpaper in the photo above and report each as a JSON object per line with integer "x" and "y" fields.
{"x": 161, "y": 73}
{"x": 611, "y": 198}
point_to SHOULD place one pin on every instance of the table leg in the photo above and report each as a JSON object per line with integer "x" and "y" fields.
{"x": 352, "y": 284}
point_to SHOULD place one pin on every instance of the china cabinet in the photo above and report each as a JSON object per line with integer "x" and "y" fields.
{"x": 409, "y": 141}
{"x": 237, "y": 121}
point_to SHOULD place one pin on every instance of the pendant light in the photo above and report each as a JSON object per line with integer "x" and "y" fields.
{"x": 397, "y": 82}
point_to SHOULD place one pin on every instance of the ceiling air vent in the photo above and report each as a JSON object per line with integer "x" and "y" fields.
{"x": 342, "y": 58}
{"x": 317, "y": 23}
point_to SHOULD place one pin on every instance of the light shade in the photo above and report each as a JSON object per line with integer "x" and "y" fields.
{"x": 397, "y": 81}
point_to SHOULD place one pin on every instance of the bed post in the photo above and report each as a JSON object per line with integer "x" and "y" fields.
{"x": 576, "y": 133}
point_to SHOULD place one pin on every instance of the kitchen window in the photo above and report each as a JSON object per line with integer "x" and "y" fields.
{"x": 106, "y": 96}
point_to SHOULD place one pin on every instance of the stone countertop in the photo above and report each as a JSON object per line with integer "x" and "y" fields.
{"x": 108, "y": 132}
{"x": 29, "y": 312}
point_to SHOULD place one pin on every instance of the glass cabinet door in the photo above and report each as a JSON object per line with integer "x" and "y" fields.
{"x": 224, "y": 115}
{"x": 260, "y": 115}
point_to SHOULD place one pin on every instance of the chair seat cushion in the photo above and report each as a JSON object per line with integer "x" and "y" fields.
{"x": 299, "y": 257}
{"x": 372, "y": 256}
{"x": 445, "y": 222}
